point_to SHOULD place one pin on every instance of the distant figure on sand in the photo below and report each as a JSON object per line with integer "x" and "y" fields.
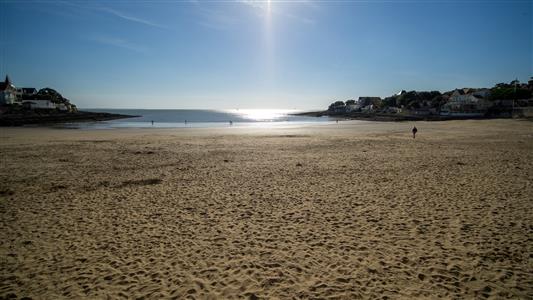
{"x": 414, "y": 131}
{"x": 152, "y": 122}
{"x": 230, "y": 123}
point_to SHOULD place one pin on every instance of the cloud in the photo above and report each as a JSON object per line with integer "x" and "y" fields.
{"x": 117, "y": 42}
{"x": 82, "y": 7}
{"x": 215, "y": 19}
{"x": 126, "y": 17}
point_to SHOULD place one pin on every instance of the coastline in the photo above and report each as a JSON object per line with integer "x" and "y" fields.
{"x": 382, "y": 117}
{"x": 45, "y": 118}
{"x": 348, "y": 210}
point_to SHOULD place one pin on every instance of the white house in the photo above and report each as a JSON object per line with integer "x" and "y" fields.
{"x": 8, "y": 92}
{"x": 473, "y": 103}
{"x": 39, "y": 104}
{"x": 464, "y": 95}
{"x": 23, "y": 92}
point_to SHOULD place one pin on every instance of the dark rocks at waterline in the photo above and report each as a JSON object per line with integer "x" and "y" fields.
{"x": 37, "y": 118}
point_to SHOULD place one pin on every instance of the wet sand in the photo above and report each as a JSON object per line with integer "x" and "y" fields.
{"x": 344, "y": 211}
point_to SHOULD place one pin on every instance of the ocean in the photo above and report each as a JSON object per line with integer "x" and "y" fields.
{"x": 198, "y": 118}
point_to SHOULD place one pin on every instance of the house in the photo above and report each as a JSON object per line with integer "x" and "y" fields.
{"x": 30, "y": 98}
{"x": 25, "y": 93}
{"x": 473, "y": 103}
{"x": 461, "y": 95}
{"x": 400, "y": 93}
{"x": 367, "y": 104}
{"x": 8, "y": 92}
{"x": 39, "y": 104}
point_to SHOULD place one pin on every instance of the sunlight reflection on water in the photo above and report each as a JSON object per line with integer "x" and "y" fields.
{"x": 262, "y": 115}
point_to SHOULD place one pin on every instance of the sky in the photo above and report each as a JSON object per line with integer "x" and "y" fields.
{"x": 300, "y": 54}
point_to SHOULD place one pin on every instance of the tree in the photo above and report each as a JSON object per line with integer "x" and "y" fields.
{"x": 509, "y": 93}
{"x": 350, "y": 102}
{"x": 336, "y": 105}
{"x": 50, "y": 94}
{"x": 515, "y": 82}
{"x": 390, "y": 101}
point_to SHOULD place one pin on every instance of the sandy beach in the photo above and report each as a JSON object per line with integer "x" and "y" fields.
{"x": 343, "y": 211}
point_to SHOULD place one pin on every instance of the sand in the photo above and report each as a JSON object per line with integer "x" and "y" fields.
{"x": 343, "y": 211}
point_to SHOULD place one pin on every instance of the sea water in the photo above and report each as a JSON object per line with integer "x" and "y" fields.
{"x": 198, "y": 118}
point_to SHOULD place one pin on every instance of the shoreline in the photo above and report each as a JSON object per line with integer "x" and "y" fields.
{"x": 14, "y": 120}
{"x": 397, "y": 117}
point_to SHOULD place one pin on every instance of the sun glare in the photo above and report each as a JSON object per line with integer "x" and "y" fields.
{"x": 263, "y": 114}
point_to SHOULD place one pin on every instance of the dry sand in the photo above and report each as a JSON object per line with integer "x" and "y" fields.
{"x": 354, "y": 210}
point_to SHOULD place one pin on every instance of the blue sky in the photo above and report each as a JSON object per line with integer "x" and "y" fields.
{"x": 250, "y": 54}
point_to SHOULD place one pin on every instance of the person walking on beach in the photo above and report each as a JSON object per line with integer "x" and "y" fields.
{"x": 414, "y": 131}
{"x": 152, "y": 122}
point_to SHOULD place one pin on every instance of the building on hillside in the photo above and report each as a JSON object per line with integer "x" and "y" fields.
{"x": 367, "y": 104}
{"x": 8, "y": 92}
{"x": 39, "y": 104}
{"x": 400, "y": 93}
{"x": 26, "y": 93}
{"x": 30, "y": 98}
{"x": 473, "y": 103}
{"x": 459, "y": 95}
{"x": 352, "y": 107}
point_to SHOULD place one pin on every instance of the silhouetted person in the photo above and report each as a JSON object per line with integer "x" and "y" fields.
{"x": 414, "y": 131}
{"x": 152, "y": 122}
{"x": 230, "y": 123}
